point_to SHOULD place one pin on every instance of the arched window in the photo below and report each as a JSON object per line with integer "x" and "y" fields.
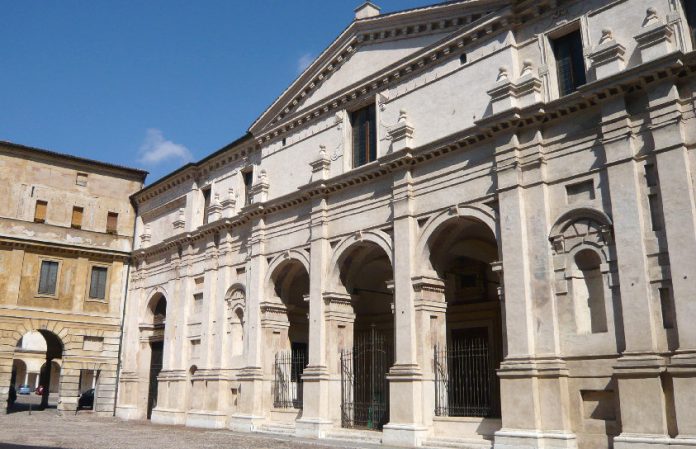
{"x": 588, "y": 293}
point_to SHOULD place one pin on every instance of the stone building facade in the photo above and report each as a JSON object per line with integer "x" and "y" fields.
{"x": 66, "y": 232}
{"x": 467, "y": 224}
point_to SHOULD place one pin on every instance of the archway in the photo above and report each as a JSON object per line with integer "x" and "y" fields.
{"x": 468, "y": 349}
{"x": 286, "y": 329}
{"x": 365, "y": 275}
{"x": 35, "y": 355}
{"x": 157, "y": 310}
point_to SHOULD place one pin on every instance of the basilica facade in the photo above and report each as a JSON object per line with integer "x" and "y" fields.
{"x": 467, "y": 224}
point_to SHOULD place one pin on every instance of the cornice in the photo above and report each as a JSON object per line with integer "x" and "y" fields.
{"x": 485, "y": 130}
{"x": 48, "y": 247}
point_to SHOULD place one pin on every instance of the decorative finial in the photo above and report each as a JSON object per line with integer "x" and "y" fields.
{"x": 262, "y": 175}
{"x": 502, "y": 74}
{"x": 403, "y": 116}
{"x": 527, "y": 68}
{"x": 322, "y": 151}
{"x": 606, "y": 36}
{"x": 650, "y": 17}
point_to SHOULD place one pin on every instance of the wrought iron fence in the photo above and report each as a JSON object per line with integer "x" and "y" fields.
{"x": 364, "y": 385}
{"x": 287, "y": 381}
{"x": 465, "y": 383}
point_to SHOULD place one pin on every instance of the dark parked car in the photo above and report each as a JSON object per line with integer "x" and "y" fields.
{"x": 86, "y": 400}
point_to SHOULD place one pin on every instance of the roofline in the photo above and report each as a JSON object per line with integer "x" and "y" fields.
{"x": 342, "y": 35}
{"x": 183, "y": 168}
{"x": 142, "y": 174}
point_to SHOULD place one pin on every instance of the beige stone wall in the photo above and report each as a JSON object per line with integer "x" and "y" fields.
{"x": 83, "y": 333}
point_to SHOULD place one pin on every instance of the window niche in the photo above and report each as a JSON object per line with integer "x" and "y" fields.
{"x": 588, "y": 293}
{"x": 584, "y": 270}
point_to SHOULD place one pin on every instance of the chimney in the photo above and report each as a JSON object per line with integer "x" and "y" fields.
{"x": 366, "y": 10}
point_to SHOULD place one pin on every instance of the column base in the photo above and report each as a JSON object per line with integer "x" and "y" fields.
{"x": 129, "y": 412}
{"x": 206, "y": 419}
{"x": 403, "y": 435}
{"x": 533, "y": 439}
{"x": 245, "y": 423}
{"x": 312, "y": 428}
{"x": 168, "y": 416}
{"x": 67, "y": 404}
{"x": 642, "y": 441}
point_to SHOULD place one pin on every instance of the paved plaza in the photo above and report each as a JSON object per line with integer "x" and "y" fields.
{"x": 48, "y": 429}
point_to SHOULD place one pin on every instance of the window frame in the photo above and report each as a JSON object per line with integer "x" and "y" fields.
{"x": 107, "y": 281}
{"x": 247, "y": 174}
{"x": 374, "y": 139}
{"x": 81, "y": 211}
{"x": 53, "y": 295}
{"x": 113, "y": 231}
{"x": 552, "y": 85}
{"x": 36, "y": 208}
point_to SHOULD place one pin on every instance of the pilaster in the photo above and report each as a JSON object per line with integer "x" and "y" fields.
{"x": 405, "y": 425}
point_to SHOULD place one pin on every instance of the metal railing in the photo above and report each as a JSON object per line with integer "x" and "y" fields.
{"x": 465, "y": 383}
{"x": 287, "y": 380}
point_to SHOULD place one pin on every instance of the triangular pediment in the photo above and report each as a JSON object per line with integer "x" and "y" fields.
{"x": 371, "y": 45}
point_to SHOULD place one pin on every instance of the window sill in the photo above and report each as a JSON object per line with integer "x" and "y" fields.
{"x": 45, "y": 296}
{"x": 102, "y": 301}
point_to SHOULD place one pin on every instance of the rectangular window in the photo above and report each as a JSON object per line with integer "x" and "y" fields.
{"x": 81, "y": 179}
{"x": 76, "y": 221}
{"x": 206, "y": 204}
{"x": 248, "y": 181}
{"x": 690, "y": 11}
{"x": 48, "y": 277}
{"x": 112, "y": 223}
{"x": 364, "y": 135}
{"x": 195, "y": 348}
{"x": 40, "y": 211}
{"x": 570, "y": 63}
{"x": 655, "y": 212}
{"x": 97, "y": 284}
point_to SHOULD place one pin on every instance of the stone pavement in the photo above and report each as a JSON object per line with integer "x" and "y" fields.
{"x": 48, "y": 430}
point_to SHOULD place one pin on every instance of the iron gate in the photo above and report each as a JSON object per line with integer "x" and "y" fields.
{"x": 287, "y": 378}
{"x": 364, "y": 385}
{"x": 155, "y": 368}
{"x": 465, "y": 382}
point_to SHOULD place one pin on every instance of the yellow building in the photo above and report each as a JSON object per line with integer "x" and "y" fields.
{"x": 66, "y": 229}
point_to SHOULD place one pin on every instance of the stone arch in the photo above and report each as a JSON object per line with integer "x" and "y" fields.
{"x": 344, "y": 247}
{"x": 153, "y": 302}
{"x": 569, "y": 217}
{"x": 282, "y": 259}
{"x": 481, "y": 214}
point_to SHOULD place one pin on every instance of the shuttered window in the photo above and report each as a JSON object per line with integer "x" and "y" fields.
{"x": 570, "y": 64}
{"x": 48, "y": 277}
{"x": 206, "y": 204}
{"x": 364, "y": 133}
{"x": 97, "y": 285}
{"x": 76, "y": 221}
{"x": 112, "y": 222}
{"x": 40, "y": 211}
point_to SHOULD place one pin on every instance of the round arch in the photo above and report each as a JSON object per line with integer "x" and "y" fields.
{"x": 344, "y": 248}
{"x": 570, "y": 216}
{"x": 483, "y": 215}
{"x": 284, "y": 258}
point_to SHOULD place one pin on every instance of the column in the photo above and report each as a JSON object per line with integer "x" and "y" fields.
{"x": 315, "y": 420}
{"x": 679, "y": 209}
{"x": 638, "y": 370}
{"x": 405, "y": 378}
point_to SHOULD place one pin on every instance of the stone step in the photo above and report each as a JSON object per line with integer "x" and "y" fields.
{"x": 362, "y": 436}
{"x": 461, "y": 443}
{"x": 277, "y": 428}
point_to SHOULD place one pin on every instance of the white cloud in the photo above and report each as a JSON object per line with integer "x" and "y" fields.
{"x": 156, "y": 149}
{"x": 304, "y": 62}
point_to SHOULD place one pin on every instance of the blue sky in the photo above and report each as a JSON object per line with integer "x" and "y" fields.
{"x": 153, "y": 84}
